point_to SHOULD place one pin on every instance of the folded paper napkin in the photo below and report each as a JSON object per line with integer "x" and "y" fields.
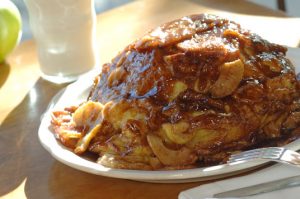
{"x": 272, "y": 173}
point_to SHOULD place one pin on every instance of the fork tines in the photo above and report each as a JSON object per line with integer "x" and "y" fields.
{"x": 261, "y": 153}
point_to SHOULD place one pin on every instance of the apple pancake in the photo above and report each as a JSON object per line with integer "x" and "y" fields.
{"x": 187, "y": 94}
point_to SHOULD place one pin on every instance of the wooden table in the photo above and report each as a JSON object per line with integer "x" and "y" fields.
{"x": 27, "y": 170}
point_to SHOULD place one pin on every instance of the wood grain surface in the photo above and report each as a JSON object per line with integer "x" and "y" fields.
{"x": 27, "y": 170}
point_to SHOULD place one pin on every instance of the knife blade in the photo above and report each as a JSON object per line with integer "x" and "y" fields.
{"x": 261, "y": 188}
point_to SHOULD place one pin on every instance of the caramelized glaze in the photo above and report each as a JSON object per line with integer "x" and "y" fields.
{"x": 199, "y": 88}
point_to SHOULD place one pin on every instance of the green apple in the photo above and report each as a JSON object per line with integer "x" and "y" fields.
{"x": 10, "y": 27}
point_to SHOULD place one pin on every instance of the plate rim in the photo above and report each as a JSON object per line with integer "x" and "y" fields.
{"x": 47, "y": 139}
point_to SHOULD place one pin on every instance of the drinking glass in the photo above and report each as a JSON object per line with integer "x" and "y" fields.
{"x": 64, "y": 32}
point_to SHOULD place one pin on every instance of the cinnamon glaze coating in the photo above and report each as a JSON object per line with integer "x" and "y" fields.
{"x": 187, "y": 94}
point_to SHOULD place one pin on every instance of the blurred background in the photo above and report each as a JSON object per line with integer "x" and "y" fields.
{"x": 100, "y": 6}
{"x": 291, "y": 7}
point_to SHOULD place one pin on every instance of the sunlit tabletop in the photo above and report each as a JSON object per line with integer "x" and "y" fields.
{"x": 27, "y": 170}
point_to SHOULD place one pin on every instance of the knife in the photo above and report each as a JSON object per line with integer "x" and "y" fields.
{"x": 261, "y": 188}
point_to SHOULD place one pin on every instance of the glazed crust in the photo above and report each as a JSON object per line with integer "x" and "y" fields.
{"x": 188, "y": 93}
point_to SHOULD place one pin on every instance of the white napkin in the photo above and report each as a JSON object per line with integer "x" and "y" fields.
{"x": 275, "y": 172}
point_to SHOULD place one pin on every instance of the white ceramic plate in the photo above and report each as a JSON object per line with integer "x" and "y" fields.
{"x": 77, "y": 93}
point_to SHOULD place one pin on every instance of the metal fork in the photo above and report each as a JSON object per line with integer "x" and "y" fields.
{"x": 277, "y": 154}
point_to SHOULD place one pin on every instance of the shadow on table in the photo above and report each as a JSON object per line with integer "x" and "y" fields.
{"x": 66, "y": 182}
{"x": 4, "y": 72}
{"x": 25, "y": 161}
{"x": 22, "y": 156}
